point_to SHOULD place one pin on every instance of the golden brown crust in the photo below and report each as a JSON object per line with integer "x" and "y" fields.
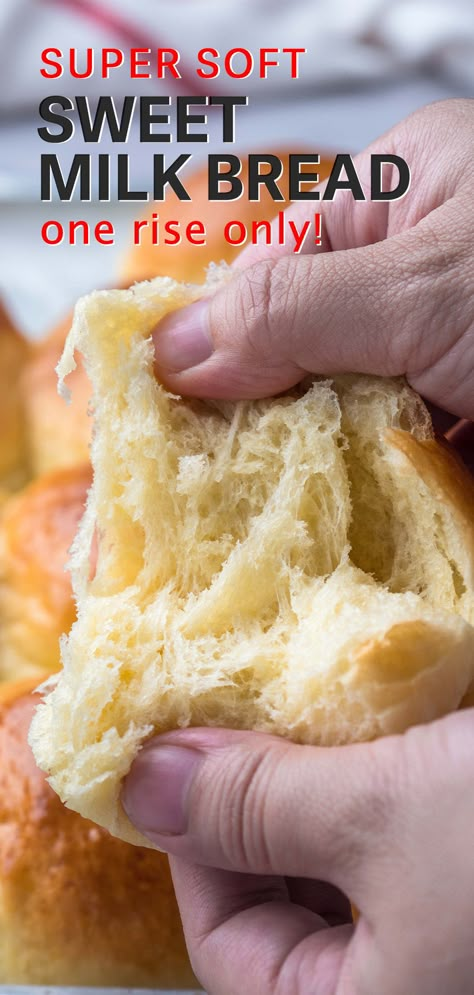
{"x": 10, "y": 691}
{"x": 14, "y": 352}
{"x": 444, "y": 473}
{"x": 76, "y": 906}
{"x": 36, "y": 605}
{"x": 189, "y": 262}
{"x": 449, "y": 483}
{"x": 59, "y": 433}
{"x": 409, "y": 656}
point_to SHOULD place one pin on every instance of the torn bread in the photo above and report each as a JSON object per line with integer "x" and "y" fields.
{"x": 302, "y": 565}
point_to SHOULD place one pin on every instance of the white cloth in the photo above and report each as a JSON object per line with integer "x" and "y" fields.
{"x": 345, "y": 40}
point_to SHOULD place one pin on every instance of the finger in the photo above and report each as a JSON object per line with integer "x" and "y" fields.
{"x": 389, "y": 298}
{"x": 228, "y": 799}
{"x": 243, "y": 935}
{"x": 320, "y": 897}
{"x": 347, "y": 223}
{"x": 360, "y": 310}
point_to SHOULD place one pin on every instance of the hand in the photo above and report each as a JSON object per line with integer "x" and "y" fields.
{"x": 389, "y": 823}
{"x": 398, "y": 300}
{"x": 268, "y": 838}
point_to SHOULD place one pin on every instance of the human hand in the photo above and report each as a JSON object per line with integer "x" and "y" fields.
{"x": 389, "y": 292}
{"x": 388, "y": 823}
{"x": 293, "y": 830}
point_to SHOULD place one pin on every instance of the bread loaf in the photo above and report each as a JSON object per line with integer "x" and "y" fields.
{"x": 302, "y": 565}
{"x": 14, "y": 457}
{"x": 36, "y": 604}
{"x": 76, "y": 906}
{"x": 59, "y": 436}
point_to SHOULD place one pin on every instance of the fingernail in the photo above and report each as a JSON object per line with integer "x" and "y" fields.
{"x": 182, "y": 340}
{"x": 156, "y": 790}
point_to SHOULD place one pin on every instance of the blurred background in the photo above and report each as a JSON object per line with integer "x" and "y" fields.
{"x": 369, "y": 64}
{"x": 69, "y": 912}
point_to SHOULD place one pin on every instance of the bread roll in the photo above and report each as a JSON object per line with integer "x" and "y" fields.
{"x": 76, "y": 906}
{"x": 188, "y": 262}
{"x": 301, "y": 565}
{"x": 14, "y": 462}
{"x": 36, "y": 605}
{"x": 59, "y": 436}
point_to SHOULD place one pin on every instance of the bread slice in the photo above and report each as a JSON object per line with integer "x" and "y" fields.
{"x": 302, "y": 565}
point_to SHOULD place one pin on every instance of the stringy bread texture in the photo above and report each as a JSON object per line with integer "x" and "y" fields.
{"x": 300, "y": 565}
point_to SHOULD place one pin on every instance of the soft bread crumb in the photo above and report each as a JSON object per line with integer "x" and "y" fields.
{"x": 283, "y": 565}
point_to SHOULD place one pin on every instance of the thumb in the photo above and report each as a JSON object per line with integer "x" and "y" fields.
{"x": 363, "y": 309}
{"x": 253, "y": 803}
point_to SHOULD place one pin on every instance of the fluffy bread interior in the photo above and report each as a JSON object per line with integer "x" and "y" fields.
{"x": 301, "y": 565}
